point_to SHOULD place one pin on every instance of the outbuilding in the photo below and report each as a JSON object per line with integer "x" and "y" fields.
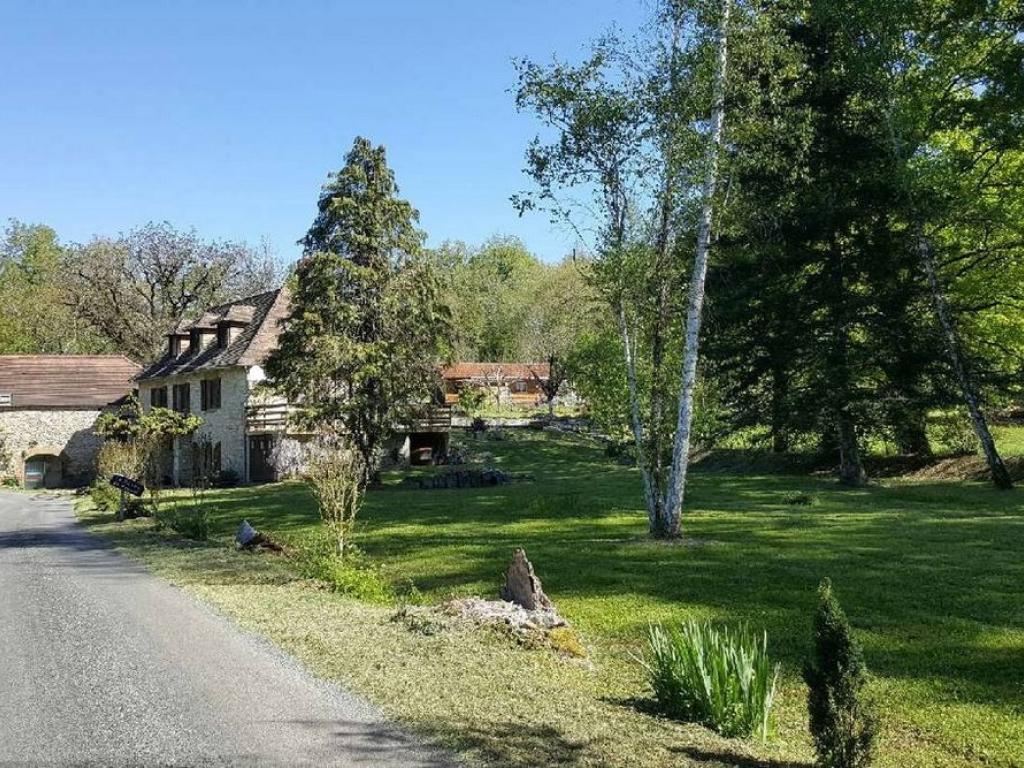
{"x": 48, "y": 408}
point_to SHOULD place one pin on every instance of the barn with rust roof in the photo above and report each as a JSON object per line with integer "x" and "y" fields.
{"x": 48, "y": 406}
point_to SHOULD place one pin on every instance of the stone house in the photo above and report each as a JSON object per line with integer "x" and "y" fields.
{"x": 214, "y": 368}
{"x": 48, "y": 407}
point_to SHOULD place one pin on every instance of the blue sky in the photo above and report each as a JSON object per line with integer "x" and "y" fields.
{"x": 227, "y": 116}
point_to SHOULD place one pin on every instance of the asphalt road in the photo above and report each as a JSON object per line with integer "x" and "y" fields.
{"x": 103, "y": 664}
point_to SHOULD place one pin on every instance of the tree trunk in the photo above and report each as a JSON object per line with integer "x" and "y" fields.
{"x": 650, "y": 497}
{"x": 851, "y": 471}
{"x": 995, "y": 463}
{"x": 911, "y": 433}
{"x": 780, "y": 388}
{"x": 676, "y": 490}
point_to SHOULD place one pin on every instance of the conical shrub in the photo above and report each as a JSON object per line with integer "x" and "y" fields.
{"x": 843, "y": 725}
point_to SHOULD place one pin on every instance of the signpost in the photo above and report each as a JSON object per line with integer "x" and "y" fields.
{"x": 125, "y": 485}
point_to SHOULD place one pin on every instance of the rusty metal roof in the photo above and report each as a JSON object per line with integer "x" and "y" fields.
{"x": 494, "y": 371}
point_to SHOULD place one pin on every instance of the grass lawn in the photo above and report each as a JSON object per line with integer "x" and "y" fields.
{"x": 929, "y": 573}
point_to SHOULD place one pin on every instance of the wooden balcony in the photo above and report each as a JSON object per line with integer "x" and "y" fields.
{"x": 274, "y": 417}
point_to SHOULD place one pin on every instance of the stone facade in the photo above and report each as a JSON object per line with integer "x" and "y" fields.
{"x": 224, "y": 425}
{"x": 66, "y": 434}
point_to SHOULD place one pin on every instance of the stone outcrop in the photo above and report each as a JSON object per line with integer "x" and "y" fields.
{"x": 522, "y": 586}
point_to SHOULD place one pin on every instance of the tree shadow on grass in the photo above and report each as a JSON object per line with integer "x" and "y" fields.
{"x": 711, "y": 757}
{"x": 519, "y": 744}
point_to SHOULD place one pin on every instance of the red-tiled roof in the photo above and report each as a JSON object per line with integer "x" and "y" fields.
{"x": 65, "y": 381}
{"x": 492, "y": 371}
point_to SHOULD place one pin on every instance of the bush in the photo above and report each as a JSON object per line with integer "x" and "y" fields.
{"x": 336, "y": 475}
{"x": 190, "y": 520}
{"x": 226, "y": 478}
{"x": 718, "y": 678}
{"x": 954, "y": 433}
{"x": 353, "y": 575}
{"x": 843, "y": 725}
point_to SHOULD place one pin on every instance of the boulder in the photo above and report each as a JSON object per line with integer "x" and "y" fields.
{"x": 522, "y": 586}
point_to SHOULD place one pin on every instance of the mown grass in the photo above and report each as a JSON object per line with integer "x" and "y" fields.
{"x": 929, "y": 573}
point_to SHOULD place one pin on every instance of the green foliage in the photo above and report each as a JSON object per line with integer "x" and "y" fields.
{"x": 131, "y": 423}
{"x": 952, "y": 432}
{"x": 471, "y": 400}
{"x": 720, "y": 678}
{"x": 843, "y": 724}
{"x": 354, "y": 575}
{"x": 335, "y": 473}
{"x": 367, "y": 331}
{"x": 190, "y": 518}
{"x": 33, "y": 294}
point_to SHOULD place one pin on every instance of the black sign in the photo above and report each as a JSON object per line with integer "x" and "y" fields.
{"x": 127, "y": 484}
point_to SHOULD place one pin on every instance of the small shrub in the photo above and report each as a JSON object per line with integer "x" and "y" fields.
{"x": 843, "y": 724}
{"x": 190, "y": 520}
{"x": 336, "y": 475}
{"x": 471, "y": 400}
{"x": 226, "y": 478}
{"x": 954, "y": 432}
{"x": 719, "y": 678}
{"x": 353, "y": 575}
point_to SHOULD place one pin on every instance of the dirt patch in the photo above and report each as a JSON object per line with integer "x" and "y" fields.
{"x": 966, "y": 468}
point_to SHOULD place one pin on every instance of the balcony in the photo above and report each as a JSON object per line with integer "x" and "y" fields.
{"x": 274, "y": 417}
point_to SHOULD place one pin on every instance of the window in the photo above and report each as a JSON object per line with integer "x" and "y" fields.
{"x": 209, "y": 394}
{"x": 158, "y": 397}
{"x": 180, "y": 398}
{"x": 519, "y": 386}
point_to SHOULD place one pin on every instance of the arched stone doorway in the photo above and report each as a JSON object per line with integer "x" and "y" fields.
{"x": 44, "y": 467}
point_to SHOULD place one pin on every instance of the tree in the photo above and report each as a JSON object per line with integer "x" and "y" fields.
{"x": 360, "y": 352}
{"x": 843, "y": 725}
{"x": 629, "y": 135}
{"x": 695, "y": 305}
{"x": 35, "y": 319}
{"x": 133, "y": 289}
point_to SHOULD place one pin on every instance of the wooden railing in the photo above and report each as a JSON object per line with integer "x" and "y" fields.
{"x": 273, "y": 417}
{"x": 267, "y": 417}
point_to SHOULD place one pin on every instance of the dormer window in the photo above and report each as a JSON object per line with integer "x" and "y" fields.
{"x": 178, "y": 343}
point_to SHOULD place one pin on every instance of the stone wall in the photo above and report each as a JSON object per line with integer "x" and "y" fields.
{"x": 224, "y": 425}
{"x": 66, "y": 432}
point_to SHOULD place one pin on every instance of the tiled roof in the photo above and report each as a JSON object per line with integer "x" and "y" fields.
{"x": 483, "y": 371}
{"x": 65, "y": 381}
{"x": 253, "y": 344}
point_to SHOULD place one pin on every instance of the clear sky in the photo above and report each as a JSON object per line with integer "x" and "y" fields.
{"x": 227, "y": 116}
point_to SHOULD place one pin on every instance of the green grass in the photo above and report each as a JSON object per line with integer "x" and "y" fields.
{"x": 930, "y": 575}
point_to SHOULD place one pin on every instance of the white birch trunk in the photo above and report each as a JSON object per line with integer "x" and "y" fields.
{"x": 634, "y": 411}
{"x": 681, "y": 446}
{"x": 1000, "y": 476}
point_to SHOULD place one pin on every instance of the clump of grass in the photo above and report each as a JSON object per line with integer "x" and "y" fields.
{"x": 720, "y": 678}
{"x": 565, "y": 640}
{"x": 799, "y": 499}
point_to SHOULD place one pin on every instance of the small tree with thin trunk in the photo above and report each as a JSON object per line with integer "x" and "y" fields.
{"x": 335, "y": 473}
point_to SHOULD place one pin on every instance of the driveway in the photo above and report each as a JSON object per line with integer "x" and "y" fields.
{"x": 103, "y": 664}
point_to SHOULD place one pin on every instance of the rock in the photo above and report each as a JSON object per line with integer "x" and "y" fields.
{"x": 522, "y": 586}
{"x": 247, "y": 536}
